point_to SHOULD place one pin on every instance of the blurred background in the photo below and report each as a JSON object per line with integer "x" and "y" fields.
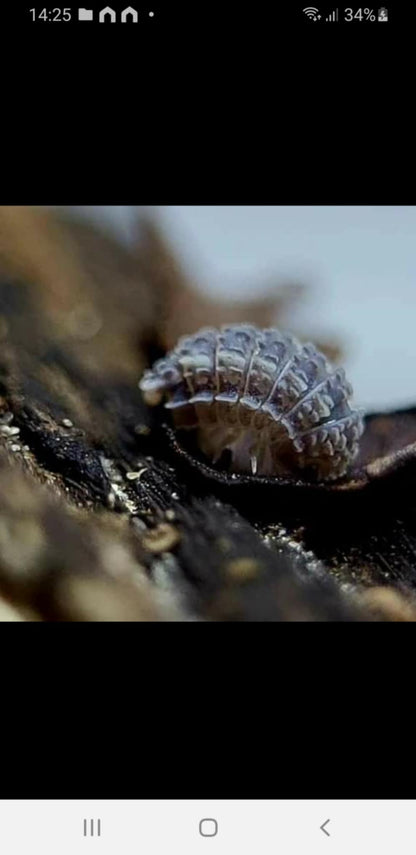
{"x": 357, "y": 263}
{"x": 111, "y": 279}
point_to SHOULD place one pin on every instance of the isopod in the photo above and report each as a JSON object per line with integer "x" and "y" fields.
{"x": 261, "y": 401}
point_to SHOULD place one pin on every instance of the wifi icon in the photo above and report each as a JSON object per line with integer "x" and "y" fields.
{"x": 312, "y": 13}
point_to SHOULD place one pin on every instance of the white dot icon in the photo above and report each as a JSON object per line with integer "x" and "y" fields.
{"x": 151, "y": 14}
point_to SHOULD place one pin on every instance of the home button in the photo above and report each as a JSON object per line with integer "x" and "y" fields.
{"x": 208, "y": 827}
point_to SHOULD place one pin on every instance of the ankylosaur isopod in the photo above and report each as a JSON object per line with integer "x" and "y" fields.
{"x": 275, "y": 404}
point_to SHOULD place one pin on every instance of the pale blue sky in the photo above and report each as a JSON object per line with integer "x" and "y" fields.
{"x": 360, "y": 262}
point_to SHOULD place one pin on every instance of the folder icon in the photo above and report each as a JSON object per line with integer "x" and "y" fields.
{"x": 85, "y": 14}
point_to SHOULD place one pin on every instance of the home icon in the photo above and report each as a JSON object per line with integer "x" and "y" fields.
{"x": 132, "y": 13}
{"x": 104, "y": 13}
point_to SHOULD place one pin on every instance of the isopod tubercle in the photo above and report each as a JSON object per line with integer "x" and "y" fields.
{"x": 260, "y": 401}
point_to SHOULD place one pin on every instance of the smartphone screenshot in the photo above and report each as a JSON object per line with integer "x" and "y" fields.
{"x": 207, "y": 429}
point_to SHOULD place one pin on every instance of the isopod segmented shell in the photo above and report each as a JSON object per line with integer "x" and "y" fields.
{"x": 275, "y": 404}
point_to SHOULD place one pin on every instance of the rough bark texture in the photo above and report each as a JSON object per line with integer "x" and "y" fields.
{"x": 101, "y": 518}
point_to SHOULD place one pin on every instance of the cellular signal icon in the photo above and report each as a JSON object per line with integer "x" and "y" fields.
{"x": 312, "y": 13}
{"x": 333, "y": 16}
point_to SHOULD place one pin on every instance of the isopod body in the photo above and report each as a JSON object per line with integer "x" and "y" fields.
{"x": 274, "y": 404}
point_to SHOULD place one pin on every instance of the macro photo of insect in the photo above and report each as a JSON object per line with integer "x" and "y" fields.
{"x": 207, "y": 414}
